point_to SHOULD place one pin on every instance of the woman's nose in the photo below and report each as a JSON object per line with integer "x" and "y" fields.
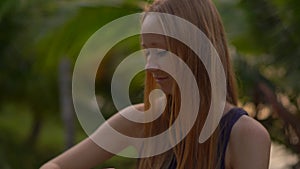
{"x": 151, "y": 64}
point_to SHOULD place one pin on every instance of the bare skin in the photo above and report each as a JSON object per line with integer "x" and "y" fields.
{"x": 249, "y": 144}
{"x": 88, "y": 154}
{"x": 248, "y": 148}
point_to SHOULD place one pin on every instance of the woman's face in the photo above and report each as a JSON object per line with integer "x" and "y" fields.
{"x": 155, "y": 47}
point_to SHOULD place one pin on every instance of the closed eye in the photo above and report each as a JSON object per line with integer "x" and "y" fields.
{"x": 157, "y": 52}
{"x": 161, "y": 52}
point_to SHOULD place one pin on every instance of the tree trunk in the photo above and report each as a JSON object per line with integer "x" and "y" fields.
{"x": 281, "y": 111}
{"x": 66, "y": 106}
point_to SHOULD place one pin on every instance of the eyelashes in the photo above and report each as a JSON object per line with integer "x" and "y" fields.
{"x": 156, "y": 52}
{"x": 161, "y": 52}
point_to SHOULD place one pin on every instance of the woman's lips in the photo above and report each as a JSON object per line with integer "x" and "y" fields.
{"x": 161, "y": 79}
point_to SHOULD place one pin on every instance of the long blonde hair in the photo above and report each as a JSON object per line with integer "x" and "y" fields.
{"x": 189, "y": 153}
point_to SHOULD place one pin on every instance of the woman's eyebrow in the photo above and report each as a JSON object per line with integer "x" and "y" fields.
{"x": 152, "y": 44}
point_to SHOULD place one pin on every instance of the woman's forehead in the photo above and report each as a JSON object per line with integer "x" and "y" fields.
{"x": 152, "y": 33}
{"x": 151, "y": 24}
{"x": 153, "y": 41}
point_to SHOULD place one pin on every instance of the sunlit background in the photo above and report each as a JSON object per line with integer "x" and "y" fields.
{"x": 41, "y": 39}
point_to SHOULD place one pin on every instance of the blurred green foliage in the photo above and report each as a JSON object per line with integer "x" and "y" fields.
{"x": 36, "y": 34}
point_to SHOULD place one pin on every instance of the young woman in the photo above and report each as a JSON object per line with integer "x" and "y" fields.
{"x": 239, "y": 142}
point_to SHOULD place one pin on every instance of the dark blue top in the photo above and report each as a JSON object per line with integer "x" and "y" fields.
{"x": 226, "y": 124}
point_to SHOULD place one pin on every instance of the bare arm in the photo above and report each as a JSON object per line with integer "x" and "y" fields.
{"x": 249, "y": 145}
{"x": 88, "y": 154}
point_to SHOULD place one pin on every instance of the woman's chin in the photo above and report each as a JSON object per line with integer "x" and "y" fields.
{"x": 166, "y": 89}
{"x": 166, "y": 86}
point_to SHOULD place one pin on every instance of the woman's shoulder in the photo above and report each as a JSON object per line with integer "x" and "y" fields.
{"x": 249, "y": 143}
{"x": 247, "y": 129}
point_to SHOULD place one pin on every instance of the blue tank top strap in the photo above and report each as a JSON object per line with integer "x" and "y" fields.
{"x": 226, "y": 124}
{"x": 173, "y": 163}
